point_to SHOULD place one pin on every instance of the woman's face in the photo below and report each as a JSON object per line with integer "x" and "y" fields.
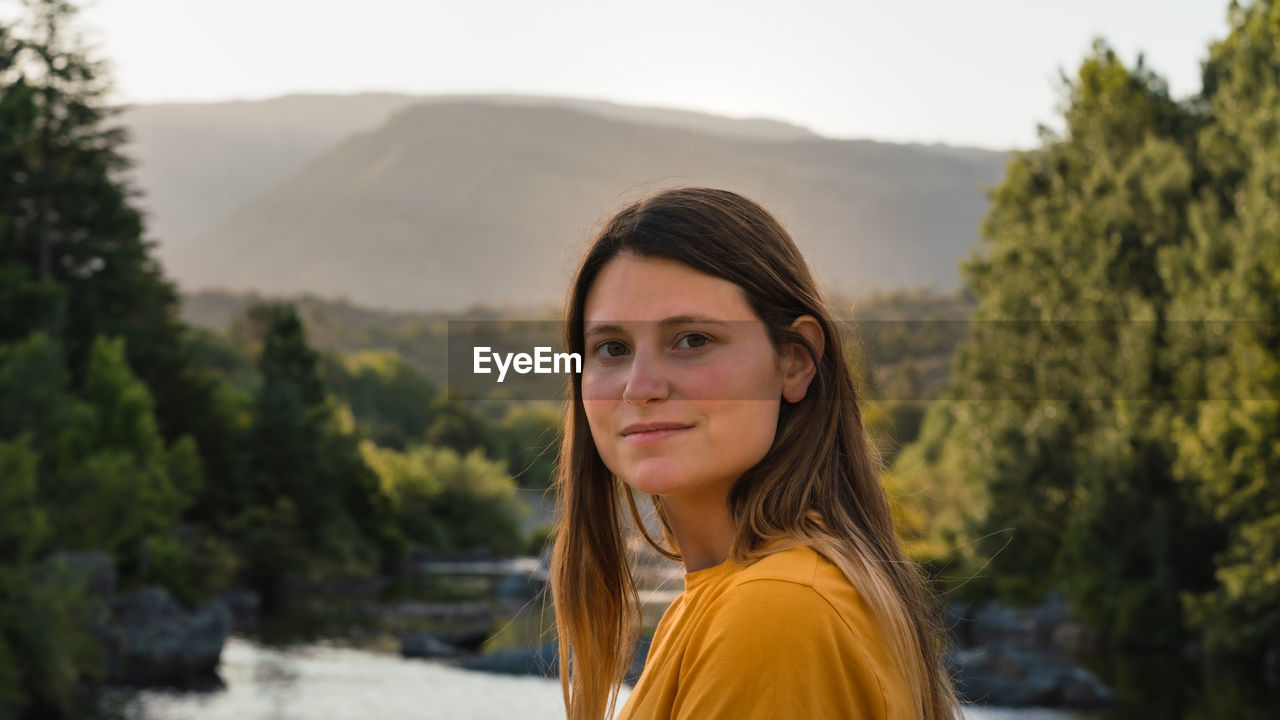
{"x": 682, "y": 349}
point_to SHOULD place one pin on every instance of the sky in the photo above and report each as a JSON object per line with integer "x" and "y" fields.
{"x": 979, "y": 73}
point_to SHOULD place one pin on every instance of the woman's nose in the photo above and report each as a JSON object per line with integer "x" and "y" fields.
{"x": 647, "y": 380}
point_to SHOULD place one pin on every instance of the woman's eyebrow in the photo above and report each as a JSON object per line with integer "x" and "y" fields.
{"x": 600, "y": 329}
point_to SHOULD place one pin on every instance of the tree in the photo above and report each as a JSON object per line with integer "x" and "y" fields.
{"x": 390, "y": 400}
{"x": 73, "y": 260}
{"x": 105, "y": 473}
{"x": 1061, "y": 440}
{"x": 449, "y": 501}
{"x": 306, "y": 453}
{"x": 1229, "y": 452}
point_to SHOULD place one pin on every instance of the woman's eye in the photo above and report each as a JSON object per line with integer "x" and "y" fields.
{"x": 603, "y": 348}
{"x": 615, "y": 349}
{"x": 697, "y": 340}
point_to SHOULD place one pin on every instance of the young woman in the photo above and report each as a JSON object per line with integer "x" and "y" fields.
{"x": 714, "y": 381}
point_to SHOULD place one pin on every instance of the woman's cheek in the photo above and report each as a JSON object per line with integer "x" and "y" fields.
{"x": 709, "y": 382}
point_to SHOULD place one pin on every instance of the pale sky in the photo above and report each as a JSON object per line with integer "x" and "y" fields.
{"x": 981, "y": 72}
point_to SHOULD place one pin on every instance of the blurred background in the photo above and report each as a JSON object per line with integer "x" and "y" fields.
{"x": 233, "y": 483}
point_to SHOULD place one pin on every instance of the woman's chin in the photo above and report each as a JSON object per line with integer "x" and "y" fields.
{"x": 658, "y": 477}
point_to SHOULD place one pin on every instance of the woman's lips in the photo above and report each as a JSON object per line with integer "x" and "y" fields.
{"x": 653, "y": 436}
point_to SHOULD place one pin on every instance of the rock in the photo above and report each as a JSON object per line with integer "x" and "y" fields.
{"x": 1074, "y": 637}
{"x": 1083, "y": 689}
{"x": 147, "y": 637}
{"x": 1051, "y": 612}
{"x": 1016, "y": 656}
{"x": 470, "y": 640}
{"x": 541, "y": 660}
{"x": 243, "y": 604}
{"x": 544, "y": 660}
{"x": 993, "y": 623}
{"x": 152, "y": 640}
{"x": 1039, "y": 626}
{"x": 466, "y": 613}
{"x": 426, "y": 645}
{"x": 1002, "y": 674}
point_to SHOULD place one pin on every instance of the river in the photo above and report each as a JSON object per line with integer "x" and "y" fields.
{"x": 328, "y": 682}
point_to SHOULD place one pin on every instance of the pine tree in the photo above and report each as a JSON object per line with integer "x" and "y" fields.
{"x": 74, "y": 262}
{"x": 289, "y": 417}
{"x": 304, "y": 455}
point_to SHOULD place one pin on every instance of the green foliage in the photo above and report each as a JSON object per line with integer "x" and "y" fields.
{"x": 449, "y": 501}
{"x": 540, "y": 540}
{"x": 1131, "y": 547}
{"x": 289, "y": 415}
{"x": 1229, "y": 452}
{"x": 22, "y": 297}
{"x": 530, "y": 438}
{"x": 115, "y": 490}
{"x": 1074, "y": 241}
{"x": 192, "y": 563}
{"x": 302, "y": 453}
{"x": 23, "y": 525}
{"x": 45, "y": 650}
{"x": 104, "y": 469}
{"x": 456, "y": 426}
{"x": 182, "y": 465}
{"x": 44, "y": 617}
{"x": 33, "y": 383}
{"x": 396, "y": 407}
{"x": 73, "y": 260}
{"x": 390, "y": 400}
{"x": 272, "y": 548}
{"x": 1071, "y": 438}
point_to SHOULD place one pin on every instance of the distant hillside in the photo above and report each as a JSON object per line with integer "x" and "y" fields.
{"x": 450, "y": 203}
{"x": 196, "y": 162}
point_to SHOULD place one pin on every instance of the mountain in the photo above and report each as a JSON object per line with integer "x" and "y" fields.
{"x": 196, "y": 162}
{"x": 452, "y": 202}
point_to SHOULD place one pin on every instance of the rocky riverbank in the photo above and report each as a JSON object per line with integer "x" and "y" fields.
{"x": 147, "y": 637}
{"x": 1020, "y": 657}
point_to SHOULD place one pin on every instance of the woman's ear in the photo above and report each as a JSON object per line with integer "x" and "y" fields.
{"x": 798, "y": 367}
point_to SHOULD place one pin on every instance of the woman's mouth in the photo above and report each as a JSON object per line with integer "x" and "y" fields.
{"x": 654, "y": 432}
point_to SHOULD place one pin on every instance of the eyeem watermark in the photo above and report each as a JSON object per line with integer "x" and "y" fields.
{"x": 1012, "y": 360}
{"x": 542, "y": 362}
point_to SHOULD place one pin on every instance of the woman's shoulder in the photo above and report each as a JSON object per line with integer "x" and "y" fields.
{"x": 796, "y": 588}
{"x": 794, "y": 565}
{"x": 800, "y": 565}
{"x": 788, "y": 614}
{"x": 797, "y": 575}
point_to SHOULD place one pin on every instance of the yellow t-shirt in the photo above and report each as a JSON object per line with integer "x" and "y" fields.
{"x": 785, "y": 637}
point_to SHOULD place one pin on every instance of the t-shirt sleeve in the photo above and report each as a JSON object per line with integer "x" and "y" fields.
{"x": 776, "y": 649}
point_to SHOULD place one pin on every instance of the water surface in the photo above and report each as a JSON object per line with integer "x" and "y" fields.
{"x": 327, "y": 682}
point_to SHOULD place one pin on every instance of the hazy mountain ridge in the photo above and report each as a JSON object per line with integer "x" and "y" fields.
{"x": 196, "y": 162}
{"x": 450, "y": 203}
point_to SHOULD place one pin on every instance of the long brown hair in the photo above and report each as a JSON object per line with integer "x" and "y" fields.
{"x": 818, "y": 485}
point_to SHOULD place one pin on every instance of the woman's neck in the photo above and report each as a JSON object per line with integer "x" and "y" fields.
{"x": 703, "y": 528}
